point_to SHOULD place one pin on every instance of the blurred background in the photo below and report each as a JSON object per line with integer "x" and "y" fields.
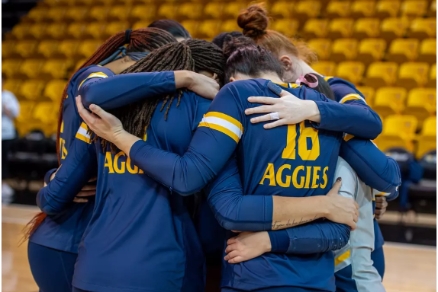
{"x": 386, "y": 47}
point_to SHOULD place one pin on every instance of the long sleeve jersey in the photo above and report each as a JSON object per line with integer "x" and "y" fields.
{"x": 64, "y": 230}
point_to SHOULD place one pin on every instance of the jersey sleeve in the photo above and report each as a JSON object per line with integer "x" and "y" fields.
{"x": 322, "y": 235}
{"x": 234, "y": 210}
{"x": 212, "y": 145}
{"x": 368, "y": 124}
{"x": 373, "y": 167}
{"x": 120, "y": 90}
{"x": 78, "y": 167}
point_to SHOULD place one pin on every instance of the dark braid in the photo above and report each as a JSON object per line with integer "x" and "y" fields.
{"x": 136, "y": 117}
{"x": 208, "y": 57}
{"x": 193, "y": 55}
{"x": 139, "y": 40}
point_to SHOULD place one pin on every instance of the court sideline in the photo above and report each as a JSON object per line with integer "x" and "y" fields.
{"x": 409, "y": 268}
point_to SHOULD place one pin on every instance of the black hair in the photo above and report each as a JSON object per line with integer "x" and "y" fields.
{"x": 193, "y": 55}
{"x": 245, "y": 57}
{"x": 322, "y": 85}
{"x": 171, "y": 26}
{"x": 219, "y": 40}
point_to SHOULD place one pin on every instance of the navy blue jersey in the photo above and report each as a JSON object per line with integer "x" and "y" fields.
{"x": 297, "y": 160}
{"x": 64, "y": 230}
{"x": 140, "y": 237}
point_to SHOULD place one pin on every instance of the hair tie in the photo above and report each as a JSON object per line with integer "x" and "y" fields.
{"x": 302, "y": 79}
{"x": 128, "y": 36}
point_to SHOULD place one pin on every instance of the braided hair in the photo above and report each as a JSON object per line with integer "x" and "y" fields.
{"x": 139, "y": 40}
{"x": 193, "y": 55}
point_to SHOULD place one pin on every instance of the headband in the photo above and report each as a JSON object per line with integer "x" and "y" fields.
{"x": 303, "y": 79}
{"x": 120, "y": 53}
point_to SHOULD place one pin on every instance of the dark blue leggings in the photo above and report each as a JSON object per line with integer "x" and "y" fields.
{"x": 378, "y": 258}
{"x": 52, "y": 269}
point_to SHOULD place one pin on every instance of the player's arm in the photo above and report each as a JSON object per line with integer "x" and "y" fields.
{"x": 78, "y": 167}
{"x": 373, "y": 167}
{"x": 310, "y": 238}
{"x": 350, "y": 117}
{"x": 123, "y": 89}
{"x": 236, "y": 211}
{"x": 212, "y": 145}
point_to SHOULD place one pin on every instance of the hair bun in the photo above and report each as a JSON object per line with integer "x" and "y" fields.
{"x": 253, "y": 20}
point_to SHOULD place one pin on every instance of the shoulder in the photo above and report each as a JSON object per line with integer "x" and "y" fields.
{"x": 194, "y": 99}
{"x": 342, "y": 87}
{"x": 242, "y": 87}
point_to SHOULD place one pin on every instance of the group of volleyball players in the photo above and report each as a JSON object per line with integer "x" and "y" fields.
{"x": 165, "y": 162}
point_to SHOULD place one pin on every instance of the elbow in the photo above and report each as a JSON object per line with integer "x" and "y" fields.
{"x": 44, "y": 205}
{"x": 186, "y": 191}
{"x": 87, "y": 96}
{"x": 376, "y": 127}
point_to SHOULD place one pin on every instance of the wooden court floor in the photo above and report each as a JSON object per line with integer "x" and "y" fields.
{"x": 409, "y": 268}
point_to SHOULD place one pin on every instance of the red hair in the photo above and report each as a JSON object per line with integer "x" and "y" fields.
{"x": 139, "y": 40}
{"x": 254, "y": 21}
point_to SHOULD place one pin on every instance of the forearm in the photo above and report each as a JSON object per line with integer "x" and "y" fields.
{"x": 372, "y": 166}
{"x": 354, "y": 118}
{"x": 120, "y": 90}
{"x": 317, "y": 237}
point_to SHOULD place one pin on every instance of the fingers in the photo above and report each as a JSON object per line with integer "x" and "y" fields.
{"x": 260, "y": 110}
{"x": 236, "y": 260}
{"x": 97, "y": 110}
{"x": 275, "y": 124}
{"x": 353, "y": 225}
{"x": 84, "y": 194}
{"x": 259, "y": 119}
{"x": 232, "y": 240}
{"x": 336, "y": 186}
{"x": 231, "y": 248}
{"x": 89, "y": 188}
{"x": 84, "y": 113}
{"x": 284, "y": 93}
{"x": 263, "y": 99}
{"x": 80, "y": 200}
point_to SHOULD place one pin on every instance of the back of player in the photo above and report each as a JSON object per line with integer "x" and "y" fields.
{"x": 296, "y": 160}
{"x": 148, "y": 232}
{"x": 137, "y": 223}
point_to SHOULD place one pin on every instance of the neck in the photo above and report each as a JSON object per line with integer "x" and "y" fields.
{"x": 301, "y": 68}
{"x": 271, "y": 76}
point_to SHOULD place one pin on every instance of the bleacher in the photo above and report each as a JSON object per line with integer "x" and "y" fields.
{"x": 386, "y": 47}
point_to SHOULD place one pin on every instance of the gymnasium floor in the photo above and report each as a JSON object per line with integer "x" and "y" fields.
{"x": 409, "y": 268}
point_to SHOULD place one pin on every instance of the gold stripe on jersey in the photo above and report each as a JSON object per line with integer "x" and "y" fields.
{"x": 342, "y": 257}
{"x": 82, "y": 133}
{"x": 223, "y": 123}
{"x": 93, "y": 75}
{"x": 288, "y": 85}
{"x": 352, "y": 96}
{"x": 348, "y": 137}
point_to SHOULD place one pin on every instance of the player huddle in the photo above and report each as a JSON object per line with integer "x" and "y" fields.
{"x": 165, "y": 161}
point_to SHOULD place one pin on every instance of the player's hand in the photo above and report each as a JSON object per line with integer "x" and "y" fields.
{"x": 204, "y": 86}
{"x": 246, "y": 246}
{"x": 102, "y": 123}
{"x": 286, "y": 110}
{"x": 89, "y": 190}
{"x": 340, "y": 209}
{"x": 381, "y": 205}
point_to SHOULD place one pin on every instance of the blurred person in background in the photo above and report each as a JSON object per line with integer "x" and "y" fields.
{"x": 10, "y": 110}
